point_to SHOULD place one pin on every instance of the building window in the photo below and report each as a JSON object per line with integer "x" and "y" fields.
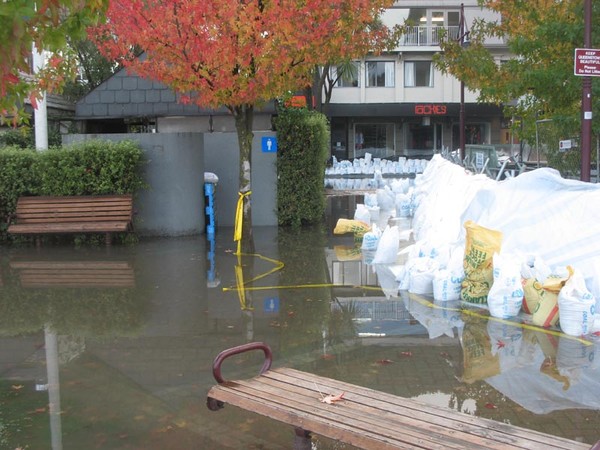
{"x": 380, "y": 74}
{"x": 374, "y": 138}
{"x": 418, "y": 74}
{"x": 347, "y": 75}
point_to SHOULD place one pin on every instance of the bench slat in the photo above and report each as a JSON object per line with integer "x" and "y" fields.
{"x": 69, "y": 227}
{"x": 372, "y": 419}
{"x": 412, "y": 408}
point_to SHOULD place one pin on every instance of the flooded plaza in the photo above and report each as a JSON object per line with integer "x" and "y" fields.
{"x": 112, "y": 348}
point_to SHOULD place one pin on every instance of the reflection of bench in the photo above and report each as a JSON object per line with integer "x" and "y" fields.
{"x": 74, "y": 274}
{"x": 364, "y": 417}
{"x": 76, "y": 214}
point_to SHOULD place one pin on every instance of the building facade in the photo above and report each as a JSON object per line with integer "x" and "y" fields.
{"x": 398, "y": 104}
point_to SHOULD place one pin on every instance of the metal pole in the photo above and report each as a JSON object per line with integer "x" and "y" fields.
{"x": 461, "y": 120}
{"x": 40, "y": 113}
{"x": 586, "y": 99}
{"x": 537, "y": 144}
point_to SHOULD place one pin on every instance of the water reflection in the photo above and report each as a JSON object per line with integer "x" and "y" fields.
{"x": 92, "y": 362}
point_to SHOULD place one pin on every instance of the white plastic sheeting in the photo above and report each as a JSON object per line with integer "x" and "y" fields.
{"x": 539, "y": 213}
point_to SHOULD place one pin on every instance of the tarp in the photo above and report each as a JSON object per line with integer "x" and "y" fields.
{"x": 539, "y": 213}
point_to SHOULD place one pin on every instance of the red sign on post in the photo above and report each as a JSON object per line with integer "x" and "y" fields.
{"x": 587, "y": 62}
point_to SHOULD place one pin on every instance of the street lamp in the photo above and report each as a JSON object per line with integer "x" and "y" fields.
{"x": 464, "y": 42}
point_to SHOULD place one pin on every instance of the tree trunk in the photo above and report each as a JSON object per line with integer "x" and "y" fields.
{"x": 244, "y": 117}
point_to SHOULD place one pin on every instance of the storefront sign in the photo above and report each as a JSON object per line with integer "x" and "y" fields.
{"x": 430, "y": 110}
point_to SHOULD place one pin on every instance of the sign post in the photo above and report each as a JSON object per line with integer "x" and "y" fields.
{"x": 587, "y": 61}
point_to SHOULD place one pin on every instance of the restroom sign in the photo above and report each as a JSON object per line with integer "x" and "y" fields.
{"x": 269, "y": 144}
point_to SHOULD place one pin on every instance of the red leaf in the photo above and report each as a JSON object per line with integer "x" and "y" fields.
{"x": 490, "y": 406}
{"x": 406, "y": 353}
{"x": 500, "y": 344}
{"x": 384, "y": 361}
{"x": 327, "y": 356}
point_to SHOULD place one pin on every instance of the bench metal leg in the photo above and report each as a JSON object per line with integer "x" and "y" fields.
{"x": 302, "y": 439}
{"x": 108, "y": 239}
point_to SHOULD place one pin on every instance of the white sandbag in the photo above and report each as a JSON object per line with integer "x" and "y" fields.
{"x": 389, "y": 244}
{"x": 362, "y": 213}
{"x": 422, "y": 272}
{"x": 385, "y": 199}
{"x": 505, "y": 297}
{"x": 371, "y": 238}
{"x": 403, "y": 205}
{"x": 577, "y": 306}
{"x": 370, "y": 200}
{"x": 446, "y": 286}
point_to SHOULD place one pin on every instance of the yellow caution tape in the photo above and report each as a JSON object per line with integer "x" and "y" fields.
{"x": 239, "y": 219}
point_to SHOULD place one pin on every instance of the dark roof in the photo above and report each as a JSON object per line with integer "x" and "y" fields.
{"x": 126, "y": 95}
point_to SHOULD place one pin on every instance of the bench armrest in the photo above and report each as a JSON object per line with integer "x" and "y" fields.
{"x": 242, "y": 349}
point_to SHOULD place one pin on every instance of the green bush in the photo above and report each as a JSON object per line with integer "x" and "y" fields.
{"x": 87, "y": 168}
{"x": 23, "y": 137}
{"x": 303, "y": 146}
{"x": 91, "y": 168}
{"x": 17, "y": 177}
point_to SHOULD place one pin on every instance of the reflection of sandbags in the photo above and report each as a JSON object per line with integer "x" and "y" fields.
{"x": 481, "y": 244}
{"x": 546, "y": 312}
{"x": 576, "y": 305}
{"x": 574, "y": 354}
{"x": 478, "y": 360}
{"x": 506, "y": 294}
{"x": 347, "y": 253}
{"x": 506, "y": 340}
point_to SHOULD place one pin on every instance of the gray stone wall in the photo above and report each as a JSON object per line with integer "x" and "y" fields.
{"x": 174, "y": 203}
{"x": 176, "y": 162}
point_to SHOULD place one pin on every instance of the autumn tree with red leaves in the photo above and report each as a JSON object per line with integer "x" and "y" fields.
{"x": 48, "y": 24}
{"x": 237, "y": 53}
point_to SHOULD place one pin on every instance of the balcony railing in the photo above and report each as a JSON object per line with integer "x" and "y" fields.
{"x": 428, "y": 36}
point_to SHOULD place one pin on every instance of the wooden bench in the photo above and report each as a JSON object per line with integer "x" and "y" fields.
{"x": 364, "y": 417}
{"x": 73, "y": 214}
{"x": 74, "y": 274}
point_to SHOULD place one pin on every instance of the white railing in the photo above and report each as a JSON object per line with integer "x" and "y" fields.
{"x": 428, "y": 36}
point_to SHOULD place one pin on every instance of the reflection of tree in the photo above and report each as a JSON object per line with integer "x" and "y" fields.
{"x": 304, "y": 311}
{"x": 83, "y": 312}
{"x": 341, "y": 324}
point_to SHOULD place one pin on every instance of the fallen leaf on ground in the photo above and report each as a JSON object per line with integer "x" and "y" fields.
{"x": 16, "y": 387}
{"x": 406, "y": 353}
{"x": 490, "y": 406}
{"x": 327, "y": 356}
{"x": 384, "y": 361}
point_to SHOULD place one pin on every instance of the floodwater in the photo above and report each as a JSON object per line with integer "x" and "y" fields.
{"x": 112, "y": 348}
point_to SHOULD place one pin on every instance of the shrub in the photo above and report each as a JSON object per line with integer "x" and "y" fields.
{"x": 88, "y": 168}
{"x": 303, "y": 143}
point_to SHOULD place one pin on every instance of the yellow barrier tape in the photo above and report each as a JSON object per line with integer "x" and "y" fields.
{"x": 239, "y": 219}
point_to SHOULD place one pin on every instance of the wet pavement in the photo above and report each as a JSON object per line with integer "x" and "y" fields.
{"x": 112, "y": 348}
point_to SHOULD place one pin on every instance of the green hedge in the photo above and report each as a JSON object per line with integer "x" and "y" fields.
{"x": 87, "y": 168}
{"x": 303, "y": 146}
